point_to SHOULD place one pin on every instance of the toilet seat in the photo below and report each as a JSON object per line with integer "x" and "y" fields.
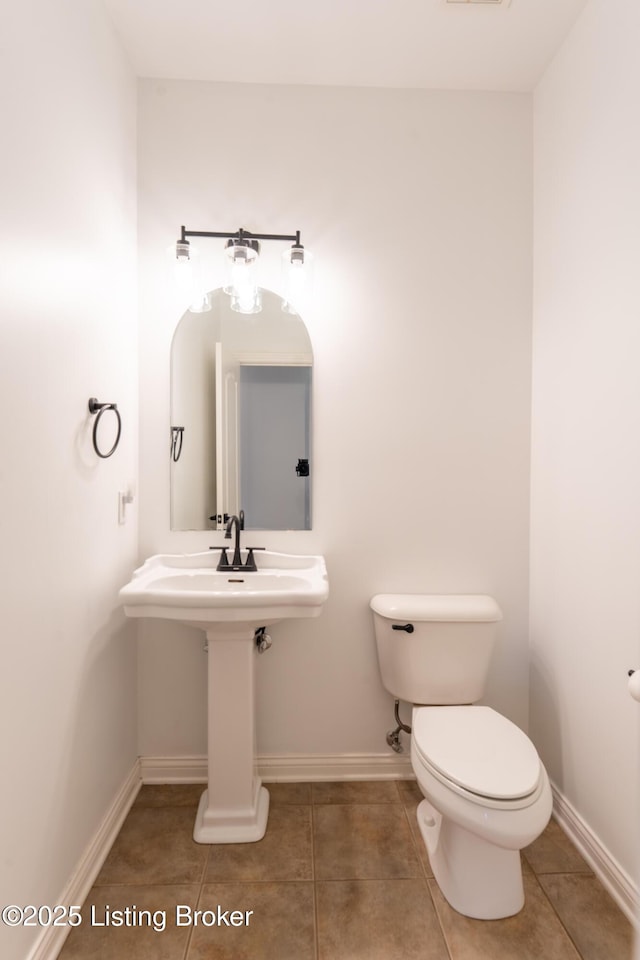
{"x": 477, "y": 752}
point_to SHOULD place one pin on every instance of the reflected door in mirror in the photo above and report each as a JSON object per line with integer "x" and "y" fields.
{"x": 218, "y": 466}
{"x": 274, "y": 407}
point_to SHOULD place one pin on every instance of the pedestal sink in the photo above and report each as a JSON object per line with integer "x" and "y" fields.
{"x": 230, "y": 608}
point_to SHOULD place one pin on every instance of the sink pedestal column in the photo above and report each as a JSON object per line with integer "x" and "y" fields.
{"x": 235, "y": 805}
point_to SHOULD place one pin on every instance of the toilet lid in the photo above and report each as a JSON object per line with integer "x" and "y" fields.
{"x": 477, "y": 749}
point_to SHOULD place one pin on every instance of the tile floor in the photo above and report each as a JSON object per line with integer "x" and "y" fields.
{"x": 341, "y": 874}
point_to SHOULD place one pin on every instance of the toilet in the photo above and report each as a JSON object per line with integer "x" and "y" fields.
{"x": 486, "y": 792}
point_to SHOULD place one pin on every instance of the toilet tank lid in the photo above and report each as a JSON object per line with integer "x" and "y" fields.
{"x": 472, "y": 607}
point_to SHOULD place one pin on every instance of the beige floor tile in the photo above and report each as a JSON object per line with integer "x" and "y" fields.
{"x": 281, "y": 926}
{"x": 411, "y": 795}
{"x": 356, "y": 791}
{"x": 288, "y": 793}
{"x": 598, "y": 927}
{"x": 533, "y": 934}
{"x": 363, "y": 842}
{"x": 155, "y": 845}
{"x": 377, "y": 920}
{"x": 284, "y": 853}
{"x": 170, "y": 795}
{"x": 410, "y": 792}
{"x": 412, "y": 817}
{"x": 139, "y": 941}
{"x": 553, "y": 852}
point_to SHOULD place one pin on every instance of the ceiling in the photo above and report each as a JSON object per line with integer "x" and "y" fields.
{"x": 382, "y": 43}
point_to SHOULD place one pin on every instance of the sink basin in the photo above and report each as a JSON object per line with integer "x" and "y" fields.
{"x": 188, "y": 588}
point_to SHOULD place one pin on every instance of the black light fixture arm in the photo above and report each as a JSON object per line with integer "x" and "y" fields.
{"x": 239, "y": 234}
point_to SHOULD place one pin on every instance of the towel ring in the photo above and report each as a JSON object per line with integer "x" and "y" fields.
{"x": 99, "y": 408}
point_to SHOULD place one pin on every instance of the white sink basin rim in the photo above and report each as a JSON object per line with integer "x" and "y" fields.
{"x": 187, "y": 587}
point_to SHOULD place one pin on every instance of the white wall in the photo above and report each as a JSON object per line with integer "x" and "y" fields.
{"x": 585, "y": 570}
{"x": 418, "y": 207}
{"x": 67, "y": 332}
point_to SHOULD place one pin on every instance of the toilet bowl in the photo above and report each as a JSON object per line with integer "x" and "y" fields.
{"x": 487, "y": 796}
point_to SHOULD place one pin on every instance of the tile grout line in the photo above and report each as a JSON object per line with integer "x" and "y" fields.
{"x": 448, "y": 947}
{"x": 198, "y": 900}
{"x": 425, "y": 879}
{"x": 316, "y": 931}
{"x": 187, "y": 946}
{"x": 551, "y": 904}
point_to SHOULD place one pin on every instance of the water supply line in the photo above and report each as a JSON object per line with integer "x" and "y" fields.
{"x": 393, "y": 737}
{"x": 261, "y": 638}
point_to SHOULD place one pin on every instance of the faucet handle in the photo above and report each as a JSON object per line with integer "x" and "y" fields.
{"x": 250, "y": 562}
{"x": 223, "y": 563}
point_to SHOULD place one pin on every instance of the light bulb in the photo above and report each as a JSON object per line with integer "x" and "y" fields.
{"x": 296, "y": 278}
{"x": 188, "y": 285}
{"x": 242, "y": 284}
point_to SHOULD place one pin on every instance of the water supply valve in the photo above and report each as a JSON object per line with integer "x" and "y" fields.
{"x": 263, "y": 640}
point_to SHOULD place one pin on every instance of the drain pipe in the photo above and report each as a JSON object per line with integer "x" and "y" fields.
{"x": 393, "y": 737}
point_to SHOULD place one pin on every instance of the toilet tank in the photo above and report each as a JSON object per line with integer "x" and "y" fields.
{"x": 440, "y": 649}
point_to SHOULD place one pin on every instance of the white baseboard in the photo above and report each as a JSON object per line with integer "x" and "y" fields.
{"x": 290, "y": 767}
{"x": 341, "y": 766}
{"x": 49, "y": 943}
{"x": 608, "y": 871}
{"x": 173, "y": 769}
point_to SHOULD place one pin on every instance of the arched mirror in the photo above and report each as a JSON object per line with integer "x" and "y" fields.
{"x": 241, "y": 417}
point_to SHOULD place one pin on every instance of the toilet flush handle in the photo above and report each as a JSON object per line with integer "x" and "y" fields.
{"x": 634, "y": 684}
{"x": 407, "y": 627}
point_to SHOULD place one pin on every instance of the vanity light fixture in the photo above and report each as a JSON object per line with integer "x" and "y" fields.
{"x": 243, "y": 251}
